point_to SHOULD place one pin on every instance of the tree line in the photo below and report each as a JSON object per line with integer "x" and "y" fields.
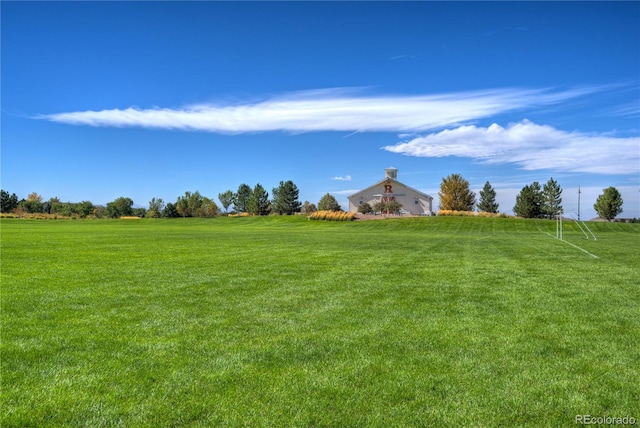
{"x": 254, "y": 201}
{"x": 34, "y": 203}
{"x": 533, "y": 201}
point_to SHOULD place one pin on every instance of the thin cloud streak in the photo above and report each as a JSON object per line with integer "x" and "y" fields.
{"x": 531, "y": 146}
{"x": 346, "y": 178}
{"x": 340, "y": 109}
{"x": 347, "y": 192}
{"x": 629, "y": 110}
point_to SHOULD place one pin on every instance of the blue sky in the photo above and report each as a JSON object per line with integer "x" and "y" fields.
{"x": 152, "y": 99}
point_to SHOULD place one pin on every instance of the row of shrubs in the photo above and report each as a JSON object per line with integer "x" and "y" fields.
{"x": 41, "y": 216}
{"x": 328, "y": 215}
{"x": 453, "y": 213}
{"x": 626, "y": 220}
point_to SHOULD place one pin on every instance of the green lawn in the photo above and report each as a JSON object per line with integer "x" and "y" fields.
{"x": 280, "y": 321}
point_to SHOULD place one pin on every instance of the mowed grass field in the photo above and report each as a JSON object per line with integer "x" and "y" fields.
{"x": 280, "y": 321}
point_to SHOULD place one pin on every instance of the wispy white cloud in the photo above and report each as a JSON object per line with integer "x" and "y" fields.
{"x": 347, "y": 192}
{"x": 341, "y": 109}
{"x": 397, "y": 57}
{"x": 531, "y": 146}
{"x": 345, "y": 178}
{"x": 628, "y": 110}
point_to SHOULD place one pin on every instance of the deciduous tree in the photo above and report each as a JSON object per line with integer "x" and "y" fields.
{"x": 455, "y": 194}
{"x": 35, "y": 197}
{"x": 155, "y": 208}
{"x": 226, "y": 199}
{"x": 33, "y": 203}
{"x": 308, "y": 207}
{"x": 62, "y": 208}
{"x": 365, "y": 208}
{"x": 122, "y": 206}
{"x": 170, "y": 211}
{"x": 609, "y": 204}
{"x": 139, "y": 212}
{"x": 196, "y": 205}
{"x": 182, "y": 205}
{"x": 387, "y": 207}
{"x": 85, "y": 209}
{"x": 207, "y": 208}
{"x": 328, "y": 202}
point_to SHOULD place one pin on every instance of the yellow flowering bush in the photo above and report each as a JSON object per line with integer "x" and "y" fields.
{"x": 453, "y": 213}
{"x": 328, "y": 215}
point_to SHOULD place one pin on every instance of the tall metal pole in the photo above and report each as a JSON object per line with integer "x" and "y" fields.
{"x": 561, "y": 227}
{"x": 579, "y": 203}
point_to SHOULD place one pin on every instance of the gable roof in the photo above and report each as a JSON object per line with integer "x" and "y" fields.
{"x": 389, "y": 180}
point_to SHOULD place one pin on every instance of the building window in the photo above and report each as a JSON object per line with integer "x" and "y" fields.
{"x": 417, "y": 202}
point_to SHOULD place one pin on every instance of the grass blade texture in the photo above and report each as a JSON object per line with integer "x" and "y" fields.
{"x": 280, "y": 321}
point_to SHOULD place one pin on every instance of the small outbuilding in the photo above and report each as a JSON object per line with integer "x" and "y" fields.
{"x": 413, "y": 201}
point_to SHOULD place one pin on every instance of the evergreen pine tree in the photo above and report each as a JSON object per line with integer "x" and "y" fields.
{"x": 285, "y": 198}
{"x": 8, "y": 202}
{"x": 241, "y": 198}
{"x": 551, "y": 199}
{"x": 529, "y": 201}
{"x": 259, "y": 203}
{"x": 488, "y": 202}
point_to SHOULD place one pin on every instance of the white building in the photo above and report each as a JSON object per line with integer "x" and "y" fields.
{"x": 390, "y": 189}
